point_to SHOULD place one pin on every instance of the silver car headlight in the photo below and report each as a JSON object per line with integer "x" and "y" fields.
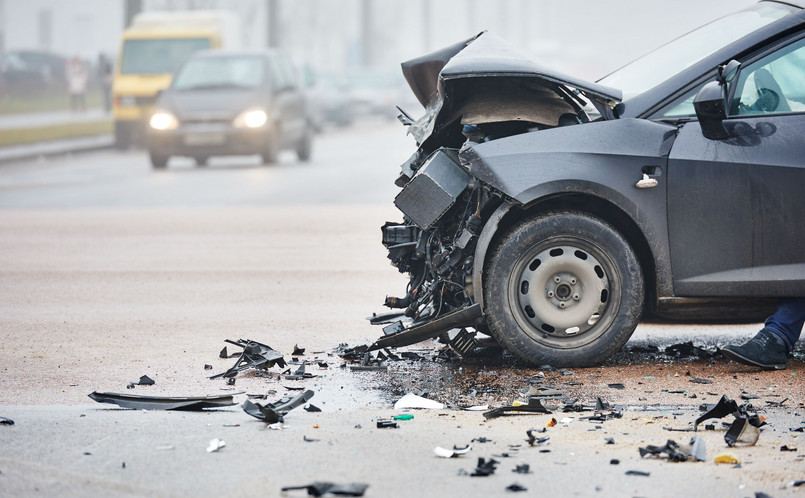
{"x": 251, "y": 118}
{"x": 163, "y": 120}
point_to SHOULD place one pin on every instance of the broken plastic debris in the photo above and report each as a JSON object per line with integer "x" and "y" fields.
{"x": 455, "y": 452}
{"x": 515, "y": 488}
{"x": 726, "y": 458}
{"x": 322, "y": 488}
{"x": 387, "y": 424}
{"x": 534, "y": 440}
{"x": 273, "y": 413}
{"x": 698, "y": 449}
{"x": 215, "y": 445}
{"x": 533, "y": 406}
{"x": 787, "y": 448}
{"x": 411, "y": 400}
{"x": 6, "y": 421}
{"x": 312, "y": 408}
{"x": 485, "y": 467}
{"x": 616, "y": 386}
{"x": 742, "y": 432}
{"x": 477, "y": 408}
{"x": 163, "y": 403}
{"x": 297, "y": 351}
{"x": 405, "y": 416}
{"x": 254, "y": 355}
{"x": 637, "y": 473}
{"x": 698, "y": 380}
{"x": 566, "y": 420}
{"x": 671, "y": 449}
{"x": 146, "y": 381}
{"x": 522, "y": 469}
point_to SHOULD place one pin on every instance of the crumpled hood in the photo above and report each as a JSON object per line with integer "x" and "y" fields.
{"x": 459, "y": 70}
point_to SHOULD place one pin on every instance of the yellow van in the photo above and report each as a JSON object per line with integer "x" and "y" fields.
{"x": 151, "y": 49}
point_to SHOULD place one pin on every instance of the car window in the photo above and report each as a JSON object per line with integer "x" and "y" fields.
{"x": 220, "y": 72}
{"x": 774, "y": 84}
{"x": 681, "y": 107}
{"x": 670, "y": 59}
{"x": 158, "y": 56}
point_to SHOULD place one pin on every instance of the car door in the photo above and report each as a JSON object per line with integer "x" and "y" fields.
{"x": 735, "y": 205}
{"x": 288, "y": 99}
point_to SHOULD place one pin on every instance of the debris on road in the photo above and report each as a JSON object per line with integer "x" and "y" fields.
{"x": 411, "y": 400}
{"x": 163, "y": 403}
{"x": 387, "y": 424}
{"x": 637, "y": 473}
{"x": 726, "y": 458}
{"x": 6, "y": 421}
{"x": 534, "y": 405}
{"x": 534, "y": 440}
{"x": 215, "y": 445}
{"x": 297, "y": 351}
{"x": 743, "y": 430}
{"x": 455, "y": 452}
{"x": 687, "y": 349}
{"x": 675, "y": 452}
{"x": 485, "y": 467}
{"x": 272, "y": 413}
{"x": 254, "y": 355}
{"x": 323, "y": 488}
{"x": 312, "y": 408}
{"x": 522, "y": 469}
{"x": 516, "y": 488}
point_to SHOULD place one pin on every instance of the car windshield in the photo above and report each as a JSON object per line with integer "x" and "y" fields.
{"x": 670, "y": 59}
{"x": 221, "y": 72}
{"x": 158, "y": 56}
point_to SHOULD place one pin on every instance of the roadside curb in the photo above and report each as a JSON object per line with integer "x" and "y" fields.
{"x": 54, "y": 148}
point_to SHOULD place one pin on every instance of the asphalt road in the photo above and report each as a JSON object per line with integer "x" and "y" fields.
{"x": 110, "y": 270}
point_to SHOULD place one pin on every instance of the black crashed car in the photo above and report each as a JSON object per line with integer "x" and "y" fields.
{"x": 231, "y": 103}
{"x": 554, "y": 213}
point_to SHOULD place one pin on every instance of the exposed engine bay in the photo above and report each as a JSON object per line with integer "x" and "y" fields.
{"x": 477, "y": 91}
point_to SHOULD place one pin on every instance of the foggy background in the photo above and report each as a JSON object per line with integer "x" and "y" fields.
{"x": 584, "y": 38}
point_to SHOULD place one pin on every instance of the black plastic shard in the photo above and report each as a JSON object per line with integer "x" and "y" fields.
{"x": 533, "y": 406}
{"x": 312, "y": 408}
{"x": 254, "y": 355}
{"x": 522, "y": 469}
{"x": 6, "y": 421}
{"x": 534, "y": 440}
{"x": 223, "y": 353}
{"x": 163, "y": 403}
{"x": 322, "y": 488}
{"x": 297, "y": 351}
{"x": 671, "y": 449}
{"x": 146, "y": 381}
{"x": 724, "y": 407}
{"x": 741, "y": 432}
{"x": 637, "y": 473}
{"x": 516, "y": 488}
{"x": 272, "y": 413}
{"x": 485, "y": 467}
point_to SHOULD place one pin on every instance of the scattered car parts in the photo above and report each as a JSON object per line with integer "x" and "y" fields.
{"x": 272, "y": 413}
{"x": 163, "y": 403}
{"x": 254, "y": 355}
{"x": 323, "y": 488}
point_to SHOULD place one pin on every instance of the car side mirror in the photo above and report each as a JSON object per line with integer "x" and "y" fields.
{"x": 711, "y": 110}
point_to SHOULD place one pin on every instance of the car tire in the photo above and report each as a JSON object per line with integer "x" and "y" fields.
{"x": 305, "y": 146}
{"x": 201, "y": 160}
{"x": 270, "y": 148}
{"x": 158, "y": 161}
{"x": 563, "y": 289}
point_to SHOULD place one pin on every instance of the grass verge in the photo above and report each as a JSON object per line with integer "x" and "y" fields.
{"x": 55, "y": 132}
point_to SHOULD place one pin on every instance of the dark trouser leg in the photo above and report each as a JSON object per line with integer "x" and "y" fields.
{"x": 787, "y": 321}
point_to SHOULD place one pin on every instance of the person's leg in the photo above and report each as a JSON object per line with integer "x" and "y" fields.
{"x": 770, "y": 347}
{"x": 788, "y": 320}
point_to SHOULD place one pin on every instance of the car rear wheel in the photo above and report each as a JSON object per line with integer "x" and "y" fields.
{"x": 158, "y": 161}
{"x": 564, "y": 289}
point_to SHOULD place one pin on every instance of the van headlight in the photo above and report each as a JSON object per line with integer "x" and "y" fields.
{"x": 251, "y": 118}
{"x": 163, "y": 120}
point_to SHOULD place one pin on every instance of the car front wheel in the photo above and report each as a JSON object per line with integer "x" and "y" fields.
{"x": 158, "y": 161}
{"x": 564, "y": 289}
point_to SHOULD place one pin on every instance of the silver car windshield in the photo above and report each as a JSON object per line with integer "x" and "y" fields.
{"x": 221, "y": 72}
{"x": 670, "y": 59}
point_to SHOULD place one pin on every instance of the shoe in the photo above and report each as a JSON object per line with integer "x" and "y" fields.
{"x": 765, "y": 350}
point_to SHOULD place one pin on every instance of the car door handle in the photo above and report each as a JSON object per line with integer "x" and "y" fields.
{"x": 646, "y": 182}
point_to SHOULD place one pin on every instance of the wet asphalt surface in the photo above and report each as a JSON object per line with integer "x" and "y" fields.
{"x": 109, "y": 271}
